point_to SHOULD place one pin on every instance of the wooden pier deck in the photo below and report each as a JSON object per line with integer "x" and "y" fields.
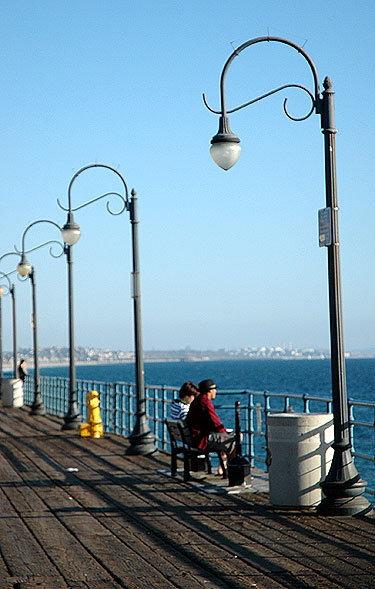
{"x": 119, "y": 521}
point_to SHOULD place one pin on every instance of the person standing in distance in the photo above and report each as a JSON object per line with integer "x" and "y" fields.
{"x": 22, "y": 370}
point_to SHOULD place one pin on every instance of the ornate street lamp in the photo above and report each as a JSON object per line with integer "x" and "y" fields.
{"x": 343, "y": 487}
{"x": 141, "y": 439}
{"x": 25, "y": 270}
{"x": 10, "y": 288}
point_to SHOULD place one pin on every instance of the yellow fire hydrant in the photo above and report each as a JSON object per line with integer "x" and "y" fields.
{"x": 94, "y": 427}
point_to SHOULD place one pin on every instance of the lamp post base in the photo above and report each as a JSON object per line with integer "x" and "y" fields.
{"x": 141, "y": 445}
{"x": 141, "y": 439}
{"x": 343, "y": 487}
{"x": 71, "y": 422}
{"x": 38, "y": 409}
{"x": 73, "y": 418}
{"x": 339, "y": 506}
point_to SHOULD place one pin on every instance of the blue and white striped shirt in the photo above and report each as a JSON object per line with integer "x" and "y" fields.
{"x": 179, "y": 409}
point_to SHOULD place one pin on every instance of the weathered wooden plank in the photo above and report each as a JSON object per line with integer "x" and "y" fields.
{"x": 137, "y": 528}
{"x": 20, "y": 550}
{"x": 57, "y": 533}
{"x": 121, "y": 557}
{"x": 274, "y": 562}
{"x": 134, "y": 503}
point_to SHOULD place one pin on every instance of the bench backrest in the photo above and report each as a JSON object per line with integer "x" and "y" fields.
{"x": 178, "y": 431}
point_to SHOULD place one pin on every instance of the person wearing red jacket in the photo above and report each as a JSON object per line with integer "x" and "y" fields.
{"x": 207, "y": 431}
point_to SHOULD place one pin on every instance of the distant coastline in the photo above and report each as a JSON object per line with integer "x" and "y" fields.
{"x": 59, "y": 357}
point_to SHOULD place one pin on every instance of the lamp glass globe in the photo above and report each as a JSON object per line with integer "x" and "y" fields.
{"x": 225, "y": 154}
{"x": 70, "y": 235}
{"x": 24, "y": 269}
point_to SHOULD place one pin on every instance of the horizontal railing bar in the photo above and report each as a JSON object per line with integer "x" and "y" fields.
{"x": 363, "y": 456}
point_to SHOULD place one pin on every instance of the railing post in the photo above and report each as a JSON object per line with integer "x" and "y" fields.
{"x": 250, "y": 426}
{"x": 306, "y": 404}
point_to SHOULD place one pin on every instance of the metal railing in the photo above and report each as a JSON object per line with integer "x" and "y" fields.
{"x": 118, "y": 408}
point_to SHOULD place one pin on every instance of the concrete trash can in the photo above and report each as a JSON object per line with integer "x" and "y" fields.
{"x": 12, "y": 392}
{"x": 300, "y": 457}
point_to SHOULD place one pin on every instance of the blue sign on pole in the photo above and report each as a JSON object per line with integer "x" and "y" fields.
{"x": 325, "y": 227}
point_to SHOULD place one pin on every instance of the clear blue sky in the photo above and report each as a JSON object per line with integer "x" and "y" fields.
{"x": 228, "y": 259}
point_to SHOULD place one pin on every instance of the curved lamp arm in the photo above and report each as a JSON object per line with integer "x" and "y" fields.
{"x": 15, "y": 253}
{"x": 125, "y": 199}
{"x": 71, "y": 231}
{"x": 260, "y": 40}
{"x": 6, "y": 255}
{"x": 217, "y": 112}
{"x": 23, "y": 250}
{"x": 9, "y": 286}
{"x": 24, "y": 267}
{"x": 225, "y": 149}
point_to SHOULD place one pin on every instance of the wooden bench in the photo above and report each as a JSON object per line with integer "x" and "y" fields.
{"x": 180, "y": 438}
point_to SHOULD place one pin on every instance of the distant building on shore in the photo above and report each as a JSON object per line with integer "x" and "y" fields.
{"x": 57, "y": 355}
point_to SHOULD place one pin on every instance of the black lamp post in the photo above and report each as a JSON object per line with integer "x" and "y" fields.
{"x": 37, "y": 407}
{"x": 12, "y": 291}
{"x": 142, "y": 441}
{"x": 343, "y": 487}
{"x": 1, "y": 336}
{"x": 24, "y": 269}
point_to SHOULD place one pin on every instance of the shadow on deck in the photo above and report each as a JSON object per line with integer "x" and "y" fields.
{"x": 78, "y": 512}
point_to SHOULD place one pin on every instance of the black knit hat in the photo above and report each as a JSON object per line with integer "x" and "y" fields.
{"x": 206, "y": 385}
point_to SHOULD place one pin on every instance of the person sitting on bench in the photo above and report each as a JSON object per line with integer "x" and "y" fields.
{"x": 207, "y": 431}
{"x": 180, "y": 407}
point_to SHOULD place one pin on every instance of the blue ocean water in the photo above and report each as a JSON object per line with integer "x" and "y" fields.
{"x": 282, "y": 376}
